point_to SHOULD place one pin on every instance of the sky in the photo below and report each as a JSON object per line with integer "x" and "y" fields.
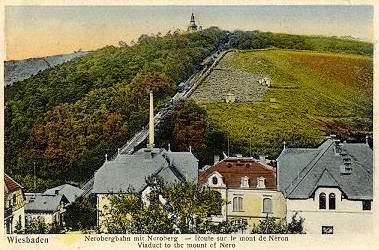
{"x": 36, "y": 31}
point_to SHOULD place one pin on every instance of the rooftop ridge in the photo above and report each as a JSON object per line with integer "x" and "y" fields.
{"x": 327, "y": 171}
{"x": 310, "y": 165}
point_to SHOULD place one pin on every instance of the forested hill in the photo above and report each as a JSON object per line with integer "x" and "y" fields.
{"x": 18, "y": 70}
{"x": 65, "y": 119}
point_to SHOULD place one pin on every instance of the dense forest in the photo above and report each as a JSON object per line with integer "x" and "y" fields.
{"x": 65, "y": 119}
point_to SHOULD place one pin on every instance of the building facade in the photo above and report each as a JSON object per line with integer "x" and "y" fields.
{"x": 249, "y": 188}
{"x": 131, "y": 170}
{"x": 45, "y": 208}
{"x": 329, "y": 186}
{"x": 14, "y": 206}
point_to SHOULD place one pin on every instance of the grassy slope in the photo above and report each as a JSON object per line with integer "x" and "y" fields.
{"x": 315, "y": 94}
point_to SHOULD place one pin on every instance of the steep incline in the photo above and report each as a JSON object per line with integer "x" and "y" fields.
{"x": 312, "y": 94}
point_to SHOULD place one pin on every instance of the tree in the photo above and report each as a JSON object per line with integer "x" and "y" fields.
{"x": 81, "y": 214}
{"x": 180, "y": 208}
{"x": 36, "y": 226}
{"x": 275, "y": 226}
{"x": 18, "y": 227}
{"x": 296, "y": 225}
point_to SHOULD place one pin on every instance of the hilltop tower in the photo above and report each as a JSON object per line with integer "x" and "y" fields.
{"x": 192, "y": 26}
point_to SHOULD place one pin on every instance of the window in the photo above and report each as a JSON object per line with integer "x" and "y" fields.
{"x": 14, "y": 200}
{"x": 214, "y": 180}
{"x": 245, "y": 181}
{"x": 332, "y": 201}
{"x": 327, "y": 229}
{"x": 366, "y": 205}
{"x": 267, "y": 205}
{"x": 261, "y": 182}
{"x": 237, "y": 204}
{"x": 322, "y": 201}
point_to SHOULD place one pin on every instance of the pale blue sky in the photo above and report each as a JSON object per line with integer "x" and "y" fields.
{"x": 33, "y": 31}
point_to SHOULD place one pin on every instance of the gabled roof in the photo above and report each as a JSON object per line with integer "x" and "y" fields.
{"x": 301, "y": 171}
{"x": 44, "y": 203}
{"x": 232, "y": 169}
{"x": 71, "y": 192}
{"x": 10, "y": 185}
{"x": 130, "y": 171}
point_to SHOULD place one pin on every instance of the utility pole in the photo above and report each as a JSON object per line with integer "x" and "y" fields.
{"x": 34, "y": 171}
{"x": 250, "y": 142}
{"x": 228, "y": 148}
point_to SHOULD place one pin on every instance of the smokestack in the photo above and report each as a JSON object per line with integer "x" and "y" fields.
{"x": 216, "y": 158}
{"x": 150, "y": 145}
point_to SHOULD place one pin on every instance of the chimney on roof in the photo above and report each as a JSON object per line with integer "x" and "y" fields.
{"x": 224, "y": 155}
{"x": 106, "y": 157}
{"x": 284, "y": 145}
{"x": 169, "y": 147}
{"x": 337, "y": 147}
{"x": 367, "y": 139}
{"x": 216, "y": 158}
{"x": 190, "y": 148}
{"x": 262, "y": 159}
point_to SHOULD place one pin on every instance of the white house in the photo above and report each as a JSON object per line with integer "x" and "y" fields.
{"x": 45, "y": 207}
{"x": 14, "y": 205}
{"x": 330, "y": 186}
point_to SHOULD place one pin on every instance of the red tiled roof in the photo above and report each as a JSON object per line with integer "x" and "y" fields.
{"x": 232, "y": 169}
{"x": 10, "y": 185}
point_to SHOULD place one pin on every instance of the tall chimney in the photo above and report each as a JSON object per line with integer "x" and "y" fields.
{"x": 150, "y": 145}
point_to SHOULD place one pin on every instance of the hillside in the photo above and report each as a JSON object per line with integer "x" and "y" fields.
{"x": 312, "y": 94}
{"x": 66, "y": 118}
{"x": 18, "y": 70}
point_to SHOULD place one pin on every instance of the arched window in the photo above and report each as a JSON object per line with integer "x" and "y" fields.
{"x": 214, "y": 180}
{"x": 237, "y": 204}
{"x": 322, "y": 201}
{"x": 267, "y": 205}
{"x": 332, "y": 201}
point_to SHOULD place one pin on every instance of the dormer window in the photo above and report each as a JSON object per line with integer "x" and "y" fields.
{"x": 214, "y": 180}
{"x": 261, "y": 182}
{"x": 245, "y": 182}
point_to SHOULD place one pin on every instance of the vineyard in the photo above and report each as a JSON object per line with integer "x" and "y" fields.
{"x": 312, "y": 94}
